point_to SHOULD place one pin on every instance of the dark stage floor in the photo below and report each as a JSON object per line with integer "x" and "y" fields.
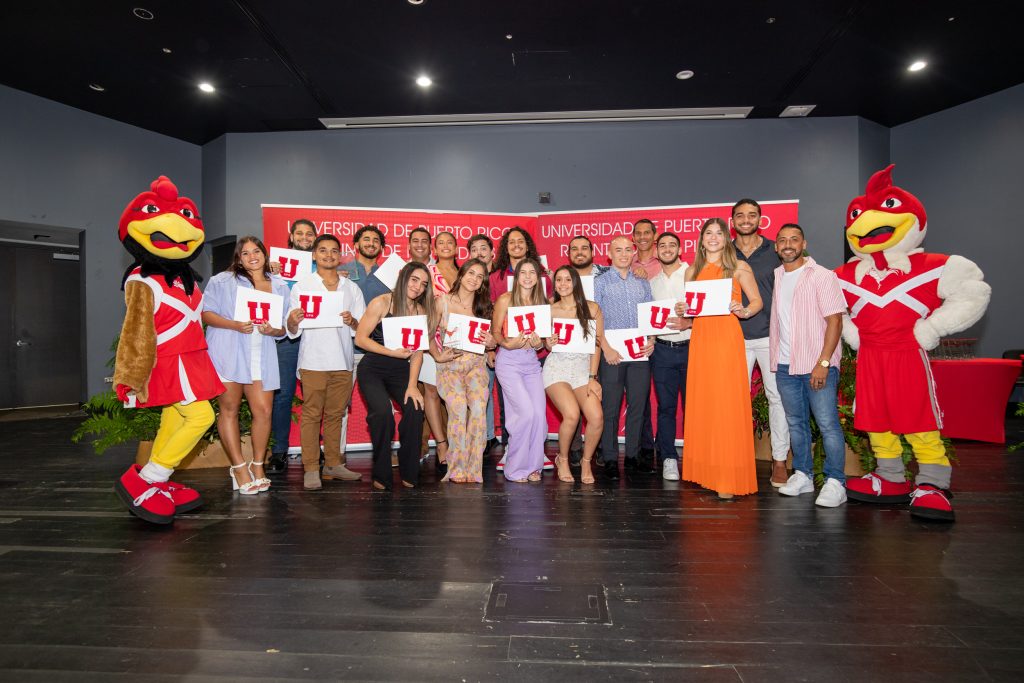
{"x": 349, "y": 584}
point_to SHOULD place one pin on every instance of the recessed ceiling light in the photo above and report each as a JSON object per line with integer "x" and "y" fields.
{"x": 97, "y": 87}
{"x": 206, "y": 87}
{"x": 795, "y": 110}
{"x": 416, "y": 2}
{"x": 424, "y": 81}
{"x": 770, "y": 20}
{"x": 167, "y": 50}
{"x": 951, "y": 19}
{"x": 918, "y": 65}
{"x": 508, "y": 36}
{"x": 684, "y": 75}
{"x": 144, "y": 14}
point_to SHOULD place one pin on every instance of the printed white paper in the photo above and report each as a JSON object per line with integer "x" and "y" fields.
{"x": 629, "y": 343}
{"x": 466, "y": 333}
{"x": 523, "y": 320}
{"x": 295, "y": 264}
{"x": 652, "y": 316}
{"x": 406, "y": 332}
{"x": 322, "y": 309}
{"x": 708, "y": 297}
{"x": 570, "y": 336}
{"x": 252, "y": 305}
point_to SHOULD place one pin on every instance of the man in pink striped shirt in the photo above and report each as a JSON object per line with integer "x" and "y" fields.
{"x": 804, "y": 352}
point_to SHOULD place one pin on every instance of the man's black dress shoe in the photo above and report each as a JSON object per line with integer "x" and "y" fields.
{"x": 277, "y": 464}
{"x": 611, "y": 470}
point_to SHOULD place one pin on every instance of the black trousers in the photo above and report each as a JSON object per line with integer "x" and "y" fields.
{"x": 633, "y": 378}
{"x": 381, "y": 380}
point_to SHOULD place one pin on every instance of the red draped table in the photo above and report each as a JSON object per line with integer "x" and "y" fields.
{"x": 972, "y": 396}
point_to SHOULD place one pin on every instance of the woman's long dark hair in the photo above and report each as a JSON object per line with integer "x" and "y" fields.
{"x": 501, "y": 261}
{"x": 482, "y": 305}
{"x": 236, "y": 266}
{"x": 401, "y": 304}
{"x": 537, "y": 297}
{"x": 578, "y": 298}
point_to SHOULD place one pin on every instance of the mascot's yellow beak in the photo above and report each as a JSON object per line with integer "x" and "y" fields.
{"x": 167, "y": 236}
{"x": 878, "y": 230}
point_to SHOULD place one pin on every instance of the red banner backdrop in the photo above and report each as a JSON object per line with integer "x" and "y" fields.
{"x": 551, "y": 231}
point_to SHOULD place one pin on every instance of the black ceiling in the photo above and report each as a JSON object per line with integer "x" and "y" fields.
{"x": 283, "y": 65}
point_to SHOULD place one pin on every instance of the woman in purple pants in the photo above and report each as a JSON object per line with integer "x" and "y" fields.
{"x": 519, "y": 373}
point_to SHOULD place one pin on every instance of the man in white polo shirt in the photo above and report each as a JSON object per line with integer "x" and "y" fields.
{"x": 671, "y": 353}
{"x": 804, "y": 353}
{"x": 326, "y": 361}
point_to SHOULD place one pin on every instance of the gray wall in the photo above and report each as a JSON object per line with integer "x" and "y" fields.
{"x": 584, "y": 166}
{"x": 64, "y": 167}
{"x": 964, "y": 164}
{"x": 60, "y": 166}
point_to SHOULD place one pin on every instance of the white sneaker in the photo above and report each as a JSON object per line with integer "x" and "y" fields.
{"x": 501, "y": 464}
{"x": 797, "y": 484}
{"x": 548, "y": 465}
{"x": 670, "y": 470}
{"x": 833, "y": 494}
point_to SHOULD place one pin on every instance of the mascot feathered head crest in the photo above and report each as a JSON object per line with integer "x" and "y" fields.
{"x": 163, "y": 232}
{"x": 885, "y": 223}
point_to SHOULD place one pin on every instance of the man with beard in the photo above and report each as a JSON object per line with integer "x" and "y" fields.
{"x": 581, "y": 256}
{"x": 671, "y": 353}
{"x": 806, "y": 323}
{"x": 759, "y": 253}
{"x": 369, "y": 242}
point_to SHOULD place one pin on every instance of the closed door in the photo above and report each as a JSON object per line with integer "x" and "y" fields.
{"x": 41, "y": 352}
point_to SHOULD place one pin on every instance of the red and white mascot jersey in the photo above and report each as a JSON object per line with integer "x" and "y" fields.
{"x": 183, "y": 372}
{"x": 895, "y": 391}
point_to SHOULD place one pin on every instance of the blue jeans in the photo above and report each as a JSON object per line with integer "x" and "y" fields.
{"x": 800, "y": 401}
{"x": 668, "y": 368}
{"x": 281, "y": 417}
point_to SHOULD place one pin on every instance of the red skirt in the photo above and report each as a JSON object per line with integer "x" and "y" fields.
{"x": 183, "y": 378}
{"x": 895, "y": 392}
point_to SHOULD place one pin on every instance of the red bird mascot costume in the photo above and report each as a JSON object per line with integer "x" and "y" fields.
{"x": 901, "y": 302}
{"x": 161, "y": 357}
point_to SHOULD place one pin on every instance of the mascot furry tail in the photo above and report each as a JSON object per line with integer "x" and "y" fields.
{"x": 902, "y": 300}
{"x": 161, "y": 357}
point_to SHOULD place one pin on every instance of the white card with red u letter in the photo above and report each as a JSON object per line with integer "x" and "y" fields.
{"x": 570, "y": 336}
{"x": 629, "y": 343}
{"x": 466, "y": 333}
{"x": 652, "y": 316}
{"x": 522, "y": 320}
{"x": 322, "y": 309}
{"x": 708, "y": 297}
{"x": 256, "y": 307}
{"x": 294, "y": 264}
{"x": 406, "y": 332}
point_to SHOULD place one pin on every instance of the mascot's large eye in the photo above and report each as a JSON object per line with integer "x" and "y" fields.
{"x": 892, "y": 203}
{"x": 150, "y": 208}
{"x": 188, "y": 213}
{"x": 854, "y": 214}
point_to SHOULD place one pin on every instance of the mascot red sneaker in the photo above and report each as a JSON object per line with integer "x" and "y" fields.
{"x": 161, "y": 358}
{"x": 901, "y": 302}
